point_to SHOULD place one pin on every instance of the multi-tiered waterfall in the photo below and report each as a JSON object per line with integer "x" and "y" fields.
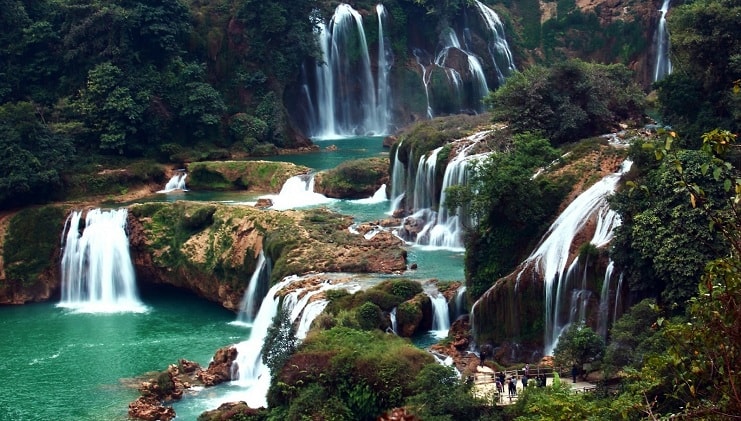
{"x": 663, "y": 65}
{"x": 418, "y": 188}
{"x": 97, "y": 273}
{"x": 256, "y": 289}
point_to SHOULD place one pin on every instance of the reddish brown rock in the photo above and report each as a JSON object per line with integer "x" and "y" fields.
{"x": 220, "y": 368}
{"x": 148, "y": 408}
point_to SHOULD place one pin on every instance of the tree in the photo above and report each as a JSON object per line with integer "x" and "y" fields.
{"x": 706, "y": 55}
{"x": 33, "y": 156}
{"x": 579, "y": 345}
{"x": 569, "y": 101}
{"x": 280, "y": 341}
{"x": 701, "y": 364}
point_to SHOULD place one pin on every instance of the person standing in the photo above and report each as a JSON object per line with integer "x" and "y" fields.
{"x": 574, "y": 372}
{"x": 512, "y": 387}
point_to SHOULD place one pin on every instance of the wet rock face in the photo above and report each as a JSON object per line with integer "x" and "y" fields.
{"x": 148, "y": 408}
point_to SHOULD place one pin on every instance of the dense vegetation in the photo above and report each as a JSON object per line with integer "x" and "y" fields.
{"x": 160, "y": 79}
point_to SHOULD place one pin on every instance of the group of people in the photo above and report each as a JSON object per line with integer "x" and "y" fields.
{"x": 511, "y": 382}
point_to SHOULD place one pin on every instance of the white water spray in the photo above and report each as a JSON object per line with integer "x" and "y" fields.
{"x": 97, "y": 273}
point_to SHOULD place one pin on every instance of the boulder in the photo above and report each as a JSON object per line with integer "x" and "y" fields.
{"x": 220, "y": 368}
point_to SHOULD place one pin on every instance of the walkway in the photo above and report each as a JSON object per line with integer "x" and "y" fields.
{"x": 485, "y": 385}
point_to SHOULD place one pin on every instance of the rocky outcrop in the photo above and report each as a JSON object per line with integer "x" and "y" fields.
{"x": 213, "y": 249}
{"x": 356, "y": 179}
{"x": 261, "y": 176}
{"x": 220, "y": 368}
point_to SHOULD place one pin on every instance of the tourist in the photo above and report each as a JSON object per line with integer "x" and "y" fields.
{"x": 574, "y": 371}
{"x": 512, "y": 387}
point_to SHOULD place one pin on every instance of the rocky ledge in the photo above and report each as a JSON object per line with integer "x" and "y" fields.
{"x": 168, "y": 386}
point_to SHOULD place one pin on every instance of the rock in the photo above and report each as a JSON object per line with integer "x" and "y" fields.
{"x": 263, "y": 203}
{"x": 220, "y": 368}
{"x": 148, "y": 408}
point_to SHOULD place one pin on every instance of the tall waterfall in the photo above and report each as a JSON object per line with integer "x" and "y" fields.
{"x": 460, "y": 301}
{"x": 398, "y": 181}
{"x": 97, "y": 272}
{"x": 255, "y": 290}
{"x": 661, "y": 40}
{"x": 551, "y": 256}
{"x": 501, "y": 56}
{"x": 347, "y": 99}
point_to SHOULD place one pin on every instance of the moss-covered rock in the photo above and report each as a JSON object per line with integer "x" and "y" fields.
{"x": 356, "y": 179}
{"x": 212, "y": 249}
{"x": 29, "y": 243}
{"x": 262, "y": 176}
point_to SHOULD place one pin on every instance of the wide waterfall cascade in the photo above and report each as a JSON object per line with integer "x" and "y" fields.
{"x": 176, "y": 182}
{"x": 551, "y": 256}
{"x": 97, "y": 272}
{"x": 297, "y": 191}
{"x": 254, "y": 293}
{"x": 348, "y": 100}
{"x": 663, "y": 65}
{"x": 424, "y": 181}
{"x": 501, "y": 55}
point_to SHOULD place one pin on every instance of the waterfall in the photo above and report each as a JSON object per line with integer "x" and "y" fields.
{"x": 378, "y": 197}
{"x": 394, "y": 324}
{"x": 617, "y": 311}
{"x": 441, "y": 227}
{"x": 176, "y": 182}
{"x": 97, "y": 272}
{"x": 551, "y": 256}
{"x": 604, "y": 305}
{"x": 385, "y": 60}
{"x": 661, "y": 39}
{"x": 255, "y": 290}
{"x": 398, "y": 181}
{"x": 297, "y": 191}
{"x": 348, "y": 101}
{"x": 248, "y": 369}
{"x": 460, "y": 304}
{"x": 449, "y": 40}
{"x": 501, "y": 56}
{"x": 426, "y": 76}
{"x": 441, "y": 317}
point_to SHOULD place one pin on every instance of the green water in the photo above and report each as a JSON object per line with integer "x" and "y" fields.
{"x": 58, "y": 365}
{"x": 333, "y": 152}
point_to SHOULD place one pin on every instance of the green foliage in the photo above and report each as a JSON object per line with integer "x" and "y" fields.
{"x": 361, "y": 369}
{"x": 558, "y": 401}
{"x": 569, "y": 101}
{"x": 280, "y": 341}
{"x": 405, "y": 288}
{"x": 663, "y": 244}
{"x": 579, "y": 344}
{"x": 510, "y": 205}
{"x": 369, "y": 316}
{"x": 705, "y": 45}
{"x": 31, "y": 241}
{"x": 165, "y": 383}
{"x": 633, "y": 337}
{"x": 440, "y": 394}
{"x": 355, "y": 179}
{"x": 33, "y": 157}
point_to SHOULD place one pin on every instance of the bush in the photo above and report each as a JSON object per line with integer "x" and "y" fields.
{"x": 369, "y": 316}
